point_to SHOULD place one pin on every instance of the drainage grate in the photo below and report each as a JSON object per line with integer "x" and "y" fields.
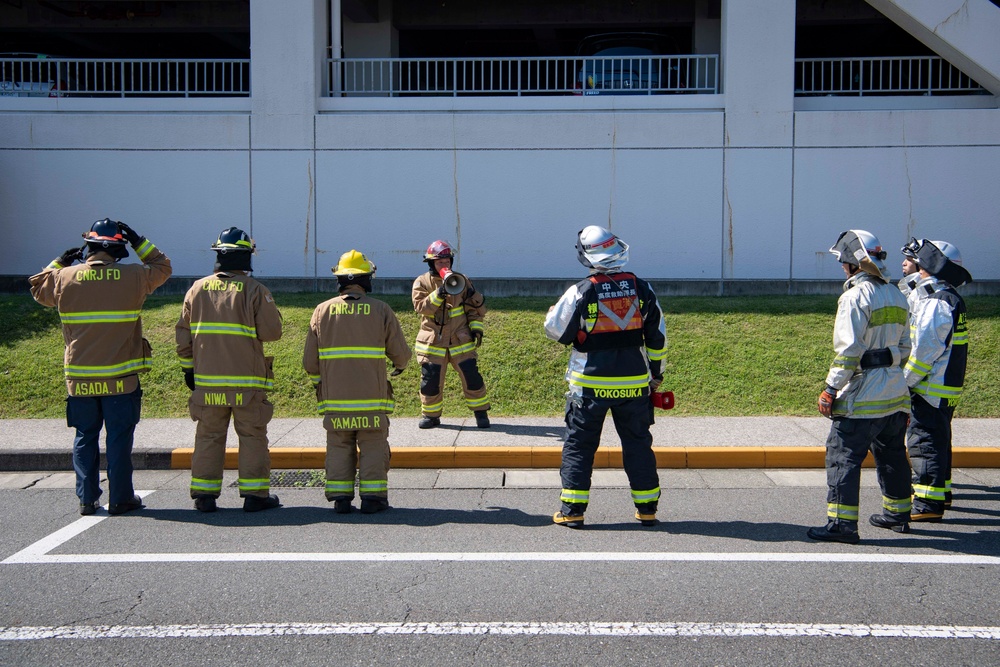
{"x": 295, "y": 478}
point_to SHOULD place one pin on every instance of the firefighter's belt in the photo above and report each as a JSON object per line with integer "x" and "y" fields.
{"x": 879, "y": 358}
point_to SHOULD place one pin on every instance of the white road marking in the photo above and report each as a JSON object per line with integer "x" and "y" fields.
{"x": 39, "y": 553}
{"x": 506, "y": 629}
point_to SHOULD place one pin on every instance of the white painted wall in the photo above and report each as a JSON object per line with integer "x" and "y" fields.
{"x": 733, "y": 186}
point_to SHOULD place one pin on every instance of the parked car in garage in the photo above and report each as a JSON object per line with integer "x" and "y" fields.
{"x": 627, "y": 63}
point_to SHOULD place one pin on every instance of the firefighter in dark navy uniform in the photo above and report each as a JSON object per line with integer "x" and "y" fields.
{"x": 99, "y": 304}
{"x": 226, "y": 318}
{"x": 615, "y": 325}
{"x": 935, "y": 371}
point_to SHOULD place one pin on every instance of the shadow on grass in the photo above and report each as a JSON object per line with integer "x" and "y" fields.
{"x": 23, "y": 318}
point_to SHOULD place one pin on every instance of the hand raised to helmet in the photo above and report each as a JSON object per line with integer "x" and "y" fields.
{"x": 130, "y": 234}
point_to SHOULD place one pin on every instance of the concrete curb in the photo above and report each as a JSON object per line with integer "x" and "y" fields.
{"x": 294, "y": 458}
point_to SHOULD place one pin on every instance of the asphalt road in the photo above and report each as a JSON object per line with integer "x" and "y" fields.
{"x": 467, "y": 568}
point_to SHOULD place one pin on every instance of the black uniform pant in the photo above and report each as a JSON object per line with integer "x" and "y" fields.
{"x": 929, "y": 442}
{"x": 584, "y": 422}
{"x": 847, "y": 445}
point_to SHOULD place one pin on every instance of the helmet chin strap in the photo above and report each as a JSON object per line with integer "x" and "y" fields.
{"x": 116, "y": 251}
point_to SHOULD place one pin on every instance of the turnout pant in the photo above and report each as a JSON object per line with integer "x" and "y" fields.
{"x": 118, "y": 414}
{"x": 929, "y": 442}
{"x": 343, "y": 461}
{"x": 847, "y": 445}
{"x": 250, "y": 415}
{"x": 584, "y": 422}
{"x": 432, "y": 372}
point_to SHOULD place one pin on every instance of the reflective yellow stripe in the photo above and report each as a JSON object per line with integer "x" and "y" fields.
{"x": 100, "y": 317}
{"x": 606, "y": 382}
{"x": 144, "y": 249}
{"x": 373, "y": 485}
{"x": 656, "y": 355}
{"x": 929, "y": 492}
{"x": 888, "y": 315}
{"x": 430, "y": 350}
{"x": 915, "y": 365}
{"x": 897, "y": 505}
{"x": 254, "y": 484}
{"x": 925, "y": 388}
{"x": 370, "y": 405}
{"x": 475, "y": 325}
{"x": 841, "y": 361}
{"x": 187, "y": 362}
{"x": 228, "y": 328}
{"x": 351, "y": 352}
{"x": 340, "y": 486}
{"x": 474, "y": 403}
{"x": 206, "y": 485}
{"x": 574, "y": 496}
{"x": 845, "y": 512}
{"x": 436, "y": 300}
{"x": 245, "y": 381}
{"x": 874, "y": 407}
{"x": 457, "y": 311}
{"x": 124, "y": 368}
{"x": 650, "y": 496}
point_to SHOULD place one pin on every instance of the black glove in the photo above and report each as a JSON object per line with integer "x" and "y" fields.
{"x": 71, "y": 255}
{"x": 189, "y": 379}
{"x": 442, "y": 292}
{"x": 478, "y": 336}
{"x": 395, "y": 372}
{"x": 130, "y": 234}
{"x": 469, "y": 291}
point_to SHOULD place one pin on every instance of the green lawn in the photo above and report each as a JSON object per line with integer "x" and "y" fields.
{"x": 727, "y": 356}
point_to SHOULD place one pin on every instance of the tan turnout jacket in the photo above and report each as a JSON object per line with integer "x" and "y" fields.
{"x": 99, "y": 304}
{"x": 224, "y": 322}
{"x": 446, "y": 324}
{"x": 349, "y": 338}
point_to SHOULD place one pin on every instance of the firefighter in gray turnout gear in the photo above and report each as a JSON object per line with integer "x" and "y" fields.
{"x": 615, "y": 325}
{"x": 935, "y": 371}
{"x": 865, "y": 394}
{"x": 225, "y": 319}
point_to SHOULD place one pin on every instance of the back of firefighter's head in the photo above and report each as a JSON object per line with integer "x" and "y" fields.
{"x": 233, "y": 250}
{"x": 104, "y": 236}
{"x": 439, "y": 250}
{"x": 600, "y": 250}
{"x": 862, "y": 250}
{"x": 354, "y": 269}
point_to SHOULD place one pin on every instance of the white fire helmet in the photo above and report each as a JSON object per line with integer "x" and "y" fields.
{"x": 862, "y": 249}
{"x": 950, "y": 251}
{"x": 597, "y": 248}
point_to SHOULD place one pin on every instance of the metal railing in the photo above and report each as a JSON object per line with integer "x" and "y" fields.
{"x": 104, "y": 77}
{"x": 914, "y": 75}
{"x": 594, "y": 75}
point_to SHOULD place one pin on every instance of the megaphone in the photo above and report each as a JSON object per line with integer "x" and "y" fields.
{"x": 454, "y": 283}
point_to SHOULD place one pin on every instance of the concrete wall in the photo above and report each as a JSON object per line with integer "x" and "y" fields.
{"x": 739, "y": 186}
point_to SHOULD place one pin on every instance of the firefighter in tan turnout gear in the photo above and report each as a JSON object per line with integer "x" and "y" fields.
{"x": 451, "y": 328}
{"x": 99, "y": 305}
{"x": 349, "y": 338}
{"x": 224, "y": 321}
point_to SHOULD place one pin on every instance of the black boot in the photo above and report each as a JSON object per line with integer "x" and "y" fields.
{"x": 205, "y": 503}
{"x": 122, "y": 508}
{"x": 342, "y": 506}
{"x": 890, "y": 523}
{"x": 482, "y": 419}
{"x": 428, "y": 422}
{"x": 373, "y": 505}
{"x": 835, "y": 531}
{"x": 258, "y": 504}
{"x": 86, "y": 509}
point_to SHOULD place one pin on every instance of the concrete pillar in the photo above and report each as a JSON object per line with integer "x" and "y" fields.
{"x": 288, "y": 48}
{"x": 758, "y": 56}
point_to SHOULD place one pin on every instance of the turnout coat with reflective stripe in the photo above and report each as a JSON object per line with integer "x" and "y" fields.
{"x": 939, "y": 340}
{"x": 615, "y": 325}
{"x": 224, "y": 322}
{"x": 871, "y": 315}
{"x": 349, "y": 339}
{"x": 446, "y": 324}
{"x": 99, "y": 304}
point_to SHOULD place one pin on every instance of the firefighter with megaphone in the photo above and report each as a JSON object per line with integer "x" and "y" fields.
{"x": 451, "y": 328}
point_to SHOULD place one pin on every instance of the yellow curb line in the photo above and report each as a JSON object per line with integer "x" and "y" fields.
{"x": 551, "y": 457}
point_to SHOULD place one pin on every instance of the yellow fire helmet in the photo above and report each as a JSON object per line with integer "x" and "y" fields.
{"x": 353, "y": 263}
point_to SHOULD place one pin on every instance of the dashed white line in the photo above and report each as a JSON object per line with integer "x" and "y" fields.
{"x": 505, "y": 629}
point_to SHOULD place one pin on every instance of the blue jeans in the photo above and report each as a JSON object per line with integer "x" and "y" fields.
{"x": 120, "y": 414}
